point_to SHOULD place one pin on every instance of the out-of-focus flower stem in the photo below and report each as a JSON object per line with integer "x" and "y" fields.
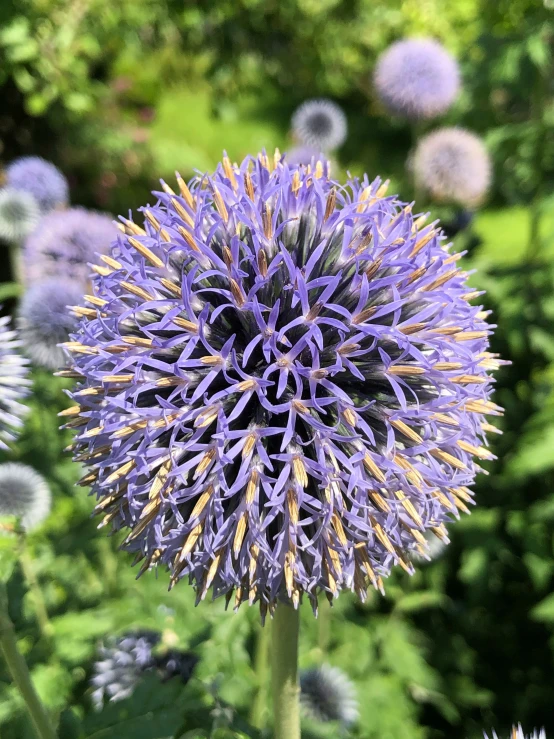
{"x": 258, "y": 713}
{"x": 20, "y": 672}
{"x": 284, "y": 672}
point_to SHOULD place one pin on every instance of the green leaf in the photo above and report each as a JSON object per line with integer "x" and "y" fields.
{"x": 544, "y": 611}
{"x": 10, "y": 290}
{"x": 420, "y": 600}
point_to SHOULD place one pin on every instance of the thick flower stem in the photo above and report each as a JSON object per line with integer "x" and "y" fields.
{"x": 20, "y": 673}
{"x": 284, "y": 672}
{"x": 261, "y": 669}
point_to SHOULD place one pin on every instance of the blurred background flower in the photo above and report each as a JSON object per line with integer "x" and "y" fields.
{"x": 24, "y": 494}
{"x": 41, "y": 179}
{"x": 19, "y": 214}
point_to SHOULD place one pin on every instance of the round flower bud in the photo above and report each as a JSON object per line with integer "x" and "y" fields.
{"x": 65, "y": 243}
{"x": 417, "y": 79}
{"x": 320, "y": 124}
{"x": 327, "y": 694}
{"x": 46, "y": 321}
{"x": 19, "y": 214}
{"x": 41, "y": 179}
{"x": 24, "y": 494}
{"x": 452, "y": 165}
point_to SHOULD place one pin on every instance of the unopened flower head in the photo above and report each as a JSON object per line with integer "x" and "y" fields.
{"x": 320, "y": 124}
{"x": 42, "y": 179}
{"x": 24, "y": 493}
{"x": 14, "y": 383}
{"x": 328, "y": 694}
{"x": 284, "y": 384}
{"x": 417, "y": 79}
{"x": 122, "y": 662}
{"x": 517, "y": 733}
{"x": 19, "y": 214}
{"x": 452, "y": 164}
{"x": 65, "y": 243}
{"x": 46, "y": 319}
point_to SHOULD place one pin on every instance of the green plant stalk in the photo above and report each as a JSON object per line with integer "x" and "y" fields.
{"x": 417, "y": 132}
{"x": 15, "y": 262}
{"x": 20, "y": 672}
{"x": 284, "y": 672}
{"x": 540, "y": 98}
{"x": 324, "y": 626}
{"x": 258, "y": 711}
{"x": 33, "y": 584}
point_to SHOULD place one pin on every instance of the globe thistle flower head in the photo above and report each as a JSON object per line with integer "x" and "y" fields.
{"x": 417, "y": 79}
{"x": 327, "y": 694}
{"x": 24, "y": 494}
{"x": 42, "y": 179}
{"x": 19, "y": 214}
{"x": 46, "y": 320}
{"x": 320, "y": 124}
{"x": 14, "y": 383}
{"x": 517, "y": 733}
{"x": 122, "y": 662}
{"x": 452, "y": 164}
{"x": 65, "y": 243}
{"x": 302, "y": 156}
{"x": 281, "y": 384}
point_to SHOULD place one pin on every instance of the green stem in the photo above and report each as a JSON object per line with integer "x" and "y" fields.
{"x": 324, "y": 626}
{"x": 15, "y": 262}
{"x": 28, "y": 569}
{"x": 284, "y": 669}
{"x": 258, "y": 712}
{"x": 20, "y": 672}
{"x": 540, "y": 96}
{"x": 417, "y": 132}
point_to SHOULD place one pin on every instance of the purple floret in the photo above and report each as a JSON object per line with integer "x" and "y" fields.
{"x": 417, "y": 78}
{"x": 282, "y": 385}
{"x": 65, "y": 242}
{"x": 40, "y": 178}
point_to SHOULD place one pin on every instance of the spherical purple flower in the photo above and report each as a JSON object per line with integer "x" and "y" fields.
{"x": 42, "y": 179}
{"x": 14, "y": 383}
{"x": 452, "y": 164}
{"x": 45, "y": 320}
{"x": 417, "y": 78}
{"x": 327, "y": 694}
{"x": 65, "y": 242}
{"x": 320, "y": 124}
{"x": 282, "y": 385}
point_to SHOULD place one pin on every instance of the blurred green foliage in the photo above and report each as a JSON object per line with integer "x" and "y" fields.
{"x": 119, "y": 94}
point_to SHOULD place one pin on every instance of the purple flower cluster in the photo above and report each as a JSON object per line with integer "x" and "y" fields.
{"x": 417, "y": 79}
{"x": 65, "y": 242}
{"x": 281, "y": 383}
{"x": 517, "y": 733}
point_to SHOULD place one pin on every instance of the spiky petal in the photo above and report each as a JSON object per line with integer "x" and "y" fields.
{"x": 282, "y": 385}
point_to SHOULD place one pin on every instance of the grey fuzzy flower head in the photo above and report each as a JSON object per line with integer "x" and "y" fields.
{"x": 320, "y": 124}
{"x": 14, "y": 383}
{"x": 281, "y": 385}
{"x": 453, "y": 165}
{"x": 122, "y": 662}
{"x": 19, "y": 214}
{"x": 517, "y": 733}
{"x": 65, "y": 243}
{"x": 46, "y": 320}
{"x": 24, "y": 494}
{"x": 327, "y": 694}
{"x": 42, "y": 179}
{"x": 417, "y": 79}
